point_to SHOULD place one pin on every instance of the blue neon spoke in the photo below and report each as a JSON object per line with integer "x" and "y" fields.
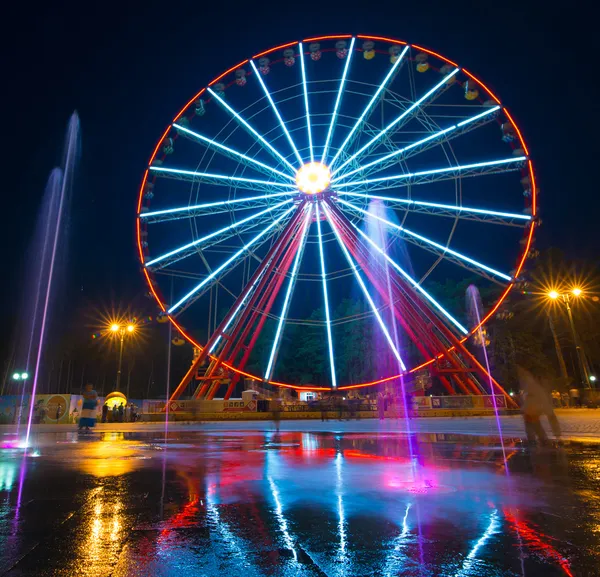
{"x": 492, "y": 528}
{"x": 214, "y": 204}
{"x": 364, "y": 289}
{"x": 437, "y": 171}
{"x": 326, "y": 299}
{"x": 216, "y": 233}
{"x": 398, "y": 119}
{"x": 225, "y": 178}
{"x": 230, "y": 260}
{"x": 240, "y": 119}
{"x": 237, "y": 310}
{"x": 369, "y": 106}
{"x": 281, "y": 122}
{"x": 305, "y": 89}
{"x": 437, "y": 205}
{"x": 415, "y": 144}
{"x": 426, "y": 240}
{"x": 411, "y": 280}
{"x": 288, "y": 294}
{"x": 338, "y": 101}
{"x": 231, "y": 151}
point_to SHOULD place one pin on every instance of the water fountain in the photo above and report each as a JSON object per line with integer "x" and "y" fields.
{"x": 378, "y": 234}
{"x": 47, "y": 253}
{"x": 474, "y": 309}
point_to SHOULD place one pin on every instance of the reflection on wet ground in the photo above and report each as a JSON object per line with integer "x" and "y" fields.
{"x": 262, "y": 503}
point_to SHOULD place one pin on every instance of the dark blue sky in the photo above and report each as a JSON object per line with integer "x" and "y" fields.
{"x": 128, "y": 67}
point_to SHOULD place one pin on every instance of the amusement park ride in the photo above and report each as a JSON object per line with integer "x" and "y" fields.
{"x": 266, "y": 190}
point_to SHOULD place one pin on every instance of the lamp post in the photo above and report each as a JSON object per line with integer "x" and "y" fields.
{"x": 121, "y": 330}
{"x": 566, "y": 299}
{"x": 22, "y": 376}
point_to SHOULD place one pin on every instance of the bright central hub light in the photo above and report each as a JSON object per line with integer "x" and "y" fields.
{"x": 313, "y": 177}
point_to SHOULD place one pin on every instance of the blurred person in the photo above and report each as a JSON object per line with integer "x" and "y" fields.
{"x": 564, "y": 397}
{"x": 575, "y": 396}
{"x": 381, "y": 406}
{"x": 276, "y": 413}
{"x": 323, "y": 405}
{"x": 536, "y": 403}
{"x": 87, "y": 419}
{"x": 128, "y": 413}
{"x": 555, "y": 398}
{"x": 104, "y": 412}
{"x": 121, "y": 411}
{"x": 114, "y": 414}
{"x": 339, "y": 403}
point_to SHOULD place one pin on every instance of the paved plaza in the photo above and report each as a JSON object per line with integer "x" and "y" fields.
{"x": 575, "y": 423}
{"x": 339, "y": 498}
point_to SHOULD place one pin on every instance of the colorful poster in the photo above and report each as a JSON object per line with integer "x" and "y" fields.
{"x": 238, "y": 406}
{"x": 420, "y": 403}
{"x": 458, "y": 402}
{"x": 9, "y": 408}
{"x": 488, "y": 401}
{"x": 52, "y": 409}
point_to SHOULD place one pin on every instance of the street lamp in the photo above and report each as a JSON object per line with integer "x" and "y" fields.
{"x": 121, "y": 330}
{"x": 565, "y": 297}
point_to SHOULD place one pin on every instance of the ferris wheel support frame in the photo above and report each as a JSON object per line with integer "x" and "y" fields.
{"x": 275, "y": 262}
{"x": 260, "y": 310}
{"x": 456, "y": 346}
{"x": 219, "y": 332}
{"x": 263, "y": 313}
{"x": 452, "y": 344}
{"x": 398, "y": 305}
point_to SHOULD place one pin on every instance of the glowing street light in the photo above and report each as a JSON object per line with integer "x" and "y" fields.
{"x": 20, "y": 376}
{"x": 121, "y": 330}
{"x": 593, "y": 378}
{"x": 565, "y": 297}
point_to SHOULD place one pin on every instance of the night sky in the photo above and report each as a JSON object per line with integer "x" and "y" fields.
{"x": 127, "y": 68}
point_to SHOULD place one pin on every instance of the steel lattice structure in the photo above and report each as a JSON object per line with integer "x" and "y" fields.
{"x": 314, "y": 163}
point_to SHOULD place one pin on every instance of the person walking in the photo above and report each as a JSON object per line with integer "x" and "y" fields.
{"x": 381, "y": 406}
{"x": 575, "y": 397}
{"x": 323, "y": 404}
{"x": 104, "y": 412}
{"x": 536, "y": 403}
{"x": 276, "y": 413}
{"x": 87, "y": 420}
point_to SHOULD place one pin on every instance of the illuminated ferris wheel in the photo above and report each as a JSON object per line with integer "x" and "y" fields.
{"x": 326, "y": 171}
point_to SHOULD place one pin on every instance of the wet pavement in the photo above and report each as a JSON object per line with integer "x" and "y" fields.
{"x": 252, "y": 503}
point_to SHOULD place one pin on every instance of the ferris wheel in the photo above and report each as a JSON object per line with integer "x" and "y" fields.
{"x": 331, "y": 186}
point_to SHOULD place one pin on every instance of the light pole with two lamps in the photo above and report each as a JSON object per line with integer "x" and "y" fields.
{"x": 23, "y": 376}
{"x": 566, "y": 297}
{"x": 121, "y": 330}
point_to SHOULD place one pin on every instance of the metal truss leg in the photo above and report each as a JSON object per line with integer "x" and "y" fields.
{"x": 274, "y": 258}
{"x": 219, "y": 332}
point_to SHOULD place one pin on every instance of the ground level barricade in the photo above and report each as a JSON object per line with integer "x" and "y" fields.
{"x": 316, "y": 415}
